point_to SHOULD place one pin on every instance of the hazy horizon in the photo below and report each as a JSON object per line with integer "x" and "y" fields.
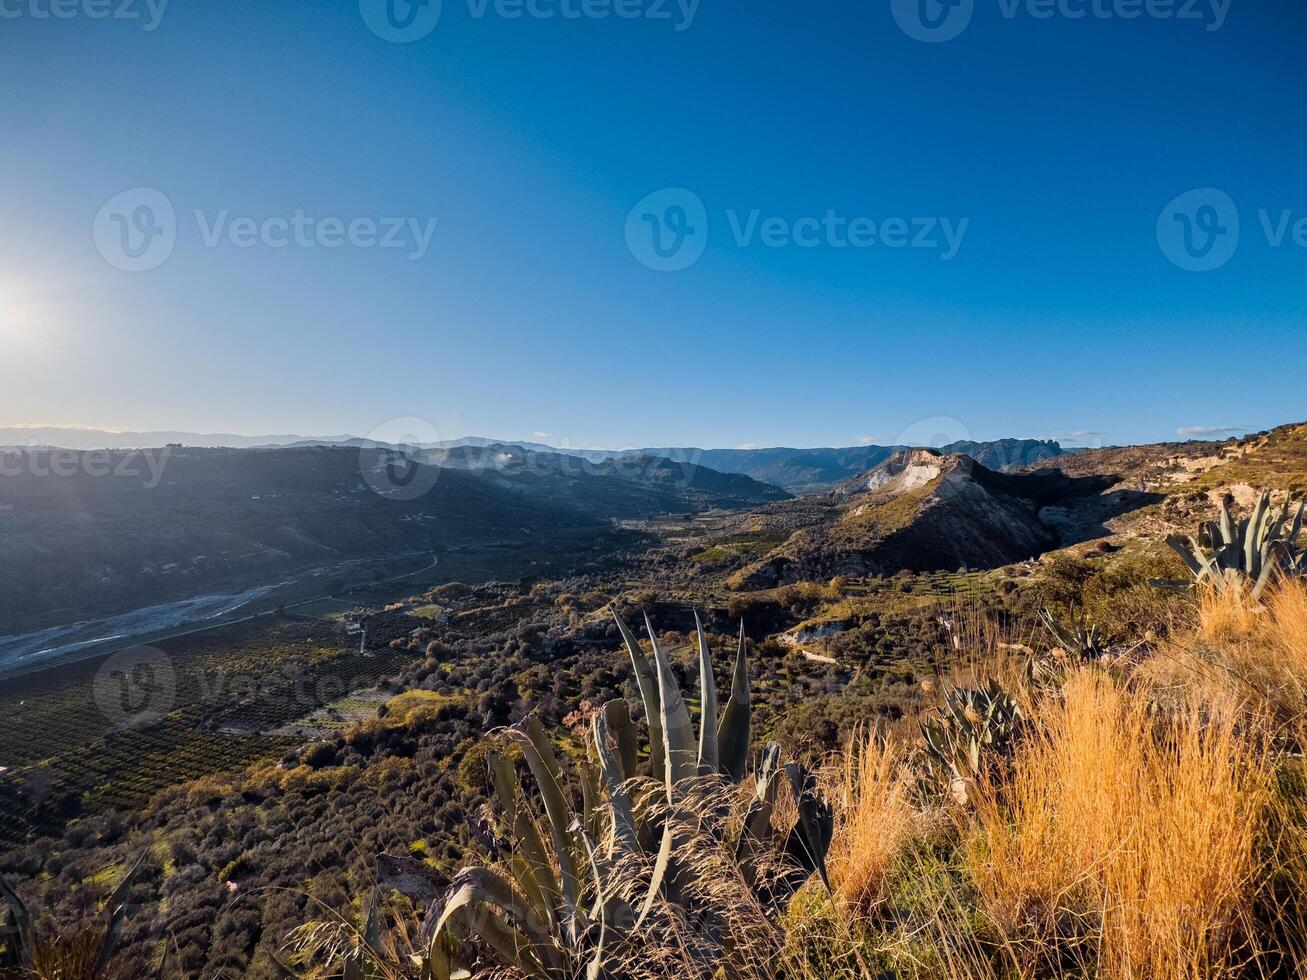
{"x": 927, "y": 433}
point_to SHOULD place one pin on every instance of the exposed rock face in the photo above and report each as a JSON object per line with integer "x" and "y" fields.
{"x": 968, "y": 517}
{"x": 924, "y": 510}
{"x": 905, "y": 471}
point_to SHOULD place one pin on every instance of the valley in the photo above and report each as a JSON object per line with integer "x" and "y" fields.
{"x": 325, "y": 729}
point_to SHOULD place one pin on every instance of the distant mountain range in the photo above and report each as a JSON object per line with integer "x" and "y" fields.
{"x": 796, "y": 470}
{"x": 130, "y": 533}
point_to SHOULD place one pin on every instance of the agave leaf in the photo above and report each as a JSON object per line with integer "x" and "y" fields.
{"x": 525, "y": 876}
{"x": 544, "y": 766}
{"x": 618, "y": 715}
{"x": 435, "y": 965}
{"x": 1256, "y": 525}
{"x": 757, "y": 819}
{"x": 602, "y": 907}
{"x": 707, "y": 705}
{"x": 22, "y": 921}
{"x": 733, "y": 732}
{"x": 681, "y": 762}
{"x": 649, "y": 694}
{"x": 372, "y": 921}
{"x": 1266, "y": 574}
{"x": 757, "y": 830}
{"x": 526, "y": 834}
{"x": 502, "y": 921}
{"x": 113, "y": 913}
{"x": 361, "y": 964}
{"x": 1259, "y": 528}
{"x": 592, "y": 801}
{"x": 1292, "y": 536}
{"x": 1275, "y": 527}
{"x": 661, "y": 864}
{"x": 810, "y": 839}
{"x": 618, "y": 798}
{"x": 1228, "y": 534}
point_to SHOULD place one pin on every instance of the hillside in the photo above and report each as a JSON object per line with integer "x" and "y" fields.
{"x": 850, "y": 599}
{"x": 924, "y": 510}
{"x": 814, "y": 470}
{"x": 616, "y": 488}
{"x": 99, "y": 541}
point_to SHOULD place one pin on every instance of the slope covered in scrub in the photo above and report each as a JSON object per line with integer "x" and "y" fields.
{"x": 923, "y": 510}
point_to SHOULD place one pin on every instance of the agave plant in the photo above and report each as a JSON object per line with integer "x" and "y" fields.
{"x": 1079, "y": 642}
{"x": 975, "y": 729}
{"x": 83, "y": 953}
{"x": 1244, "y": 553}
{"x": 584, "y": 888}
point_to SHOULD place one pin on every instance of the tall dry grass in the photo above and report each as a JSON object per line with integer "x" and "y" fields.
{"x": 1153, "y": 824}
{"x": 1244, "y": 652}
{"x": 872, "y": 792}
{"x": 1123, "y": 840}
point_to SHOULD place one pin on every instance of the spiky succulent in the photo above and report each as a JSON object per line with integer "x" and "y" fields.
{"x": 1078, "y": 643}
{"x": 1241, "y": 553}
{"x": 1081, "y": 640}
{"x": 975, "y": 729}
{"x": 580, "y": 889}
{"x": 81, "y": 954}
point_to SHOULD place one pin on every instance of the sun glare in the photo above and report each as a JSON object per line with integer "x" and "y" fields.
{"x": 8, "y": 323}
{"x": 21, "y": 319}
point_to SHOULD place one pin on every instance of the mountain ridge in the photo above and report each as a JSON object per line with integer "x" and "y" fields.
{"x": 105, "y": 542}
{"x": 797, "y": 470}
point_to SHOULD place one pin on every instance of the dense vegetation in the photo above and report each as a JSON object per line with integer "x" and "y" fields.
{"x": 1135, "y": 811}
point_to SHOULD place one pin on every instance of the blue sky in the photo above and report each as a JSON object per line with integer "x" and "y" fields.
{"x": 1055, "y": 143}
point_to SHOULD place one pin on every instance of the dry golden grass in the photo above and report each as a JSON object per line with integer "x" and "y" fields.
{"x": 872, "y": 796}
{"x": 1228, "y": 616}
{"x": 1124, "y": 841}
{"x": 1288, "y": 627}
{"x": 1241, "y": 652}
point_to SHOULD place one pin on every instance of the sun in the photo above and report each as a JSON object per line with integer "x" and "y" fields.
{"x": 11, "y": 326}
{"x": 20, "y": 319}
